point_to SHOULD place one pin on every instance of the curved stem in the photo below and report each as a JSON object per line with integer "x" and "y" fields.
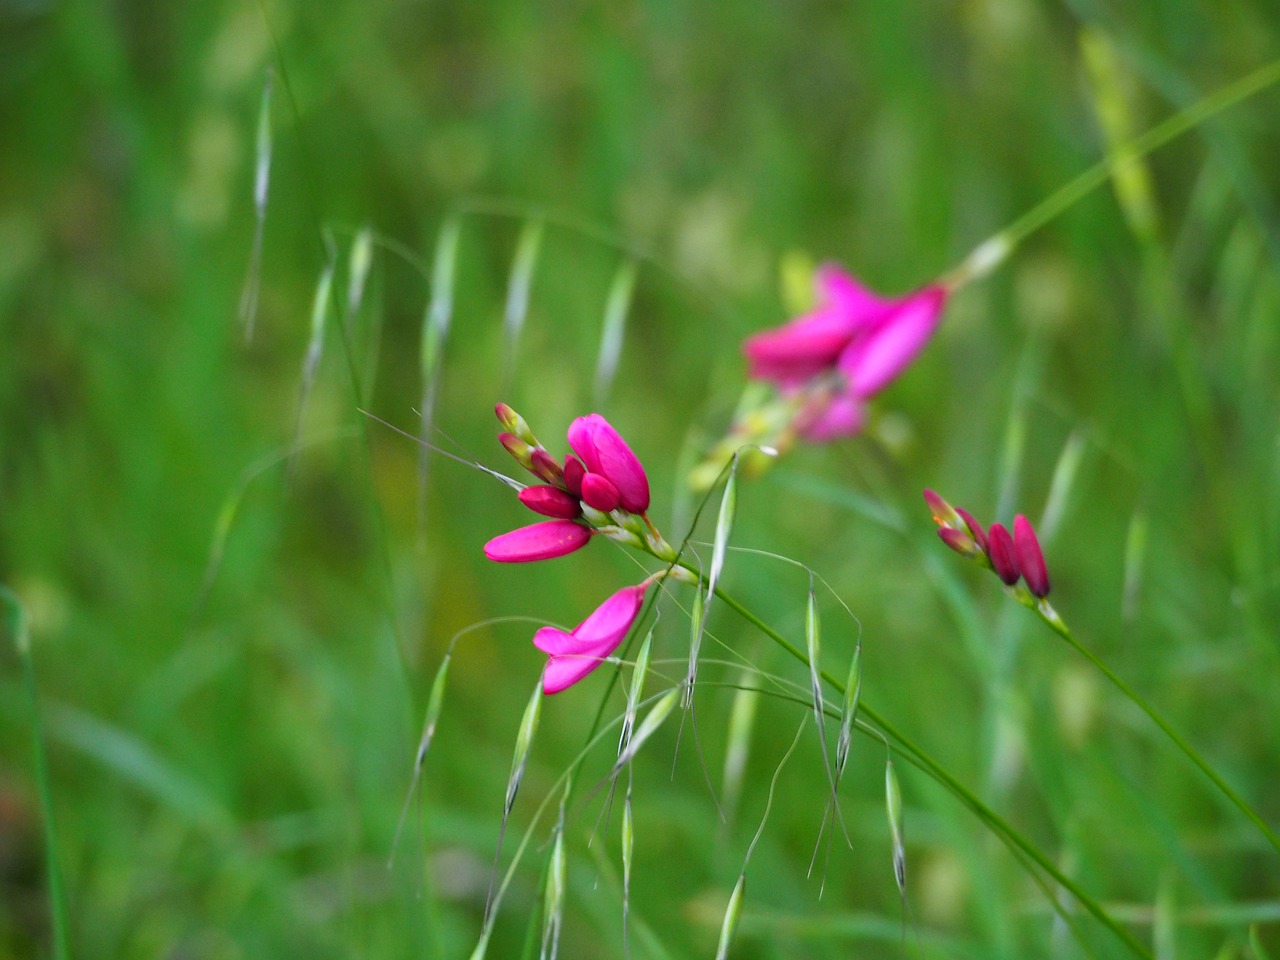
{"x": 1061, "y": 629}
{"x": 1018, "y": 844}
{"x": 988, "y": 254}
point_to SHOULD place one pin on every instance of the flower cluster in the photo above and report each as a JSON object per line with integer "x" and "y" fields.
{"x": 1013, "y": 557}
{"x": 827, "y": 364}
{"x": 850, "y": 347}
{"x": 599, "y": 488}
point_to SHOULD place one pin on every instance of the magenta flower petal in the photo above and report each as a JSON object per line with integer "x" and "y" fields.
{"x": 603, "y": 451}
{"x": 800, "y": 349}
{"x": 571, "y": 656}
{"x": 839, "y": 289}
{"x": 539, "y": 541}
{"x": 551, "y": 502}
{"x": 599, "y": 494}
{"x": 1026, "y": 551}
{"x": 872, "y": 362}
{"x": 811, "y": 344}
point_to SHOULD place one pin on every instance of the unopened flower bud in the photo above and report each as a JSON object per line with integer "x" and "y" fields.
{"x": 959, "y": 541}
{"x": 599, "y": 494}
{"x": 1000, "y": 552}
{"x": 512, "y": 422}
{"x": 574, "y": 471}
{"x": 518, "y": 449}
{"x": 975, "y": 529}
{"x": 944, "y": 515}
{"x": 551, "y": 502}
{"x": 544, "y": 466}
{"x": 1030, "y": 559}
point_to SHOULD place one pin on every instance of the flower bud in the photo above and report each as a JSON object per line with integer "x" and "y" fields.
{"x": 518, "y": 449}
{"x": 944, "y": 515}
{"x": 512, "y": 422}
{"x": 975, "y": 529}
{"x": 543, "y": 466}
{"x": 599, "y": 494}
{"x": 574, "y": 471}
{"x": 539, "y": 541}
{"x": 1030, "y": 559}
{"x": 1000, "y": 552}
{"x": 959, "y": 541}
{"x": 551, "y": 502}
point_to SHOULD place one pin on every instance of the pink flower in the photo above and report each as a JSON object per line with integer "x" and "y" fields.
{"x": 538, "y": 541}
{"x": 865, "y": 339}
{"x": 606, "y": 455}
{"x": 571, "y": 656}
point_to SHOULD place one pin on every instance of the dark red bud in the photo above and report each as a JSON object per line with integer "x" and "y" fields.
{"x": 1000, "y": 553}
{"x": 574, "y": 471}
{"x": 599, "y": 493}
{"x": 975, "y": 528}
{"x": 1030, "y": 559}
{"x": 551, "y": 502}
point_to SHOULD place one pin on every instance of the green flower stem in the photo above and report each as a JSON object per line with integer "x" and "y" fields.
{"x": 1018, "y": 844}
{"x": 17, "y": 625}
{"x": 1088, "y": 181}
{"x": 1055, "y": 622}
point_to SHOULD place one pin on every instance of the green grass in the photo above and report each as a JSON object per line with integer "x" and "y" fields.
{"x": 237, "y": 602}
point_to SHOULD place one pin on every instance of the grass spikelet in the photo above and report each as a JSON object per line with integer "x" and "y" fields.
{"x": 435, "y": 331}
{"x": 1131, "y": 176}
{"x": 813, "y": 652}
{"x": 893, "y": 805}
{"x": 731, "y": 915}
{"x": 724, "y": 527}
{"x": 628, "y": 853}
{"x": 1060, "y": 487}
{"x": 654, "y": 719}
{"x": 261, "y": 183}
{"x": 696, "y": 614}
{"x": 635, "y": 689}
{"x": 742, "y": 719}
{"x": 18, "y": 627}
{"x": 553, "y": 894}
{"x": 435, "y": 703}
{"x": 613, "y": 330}
{"x": 520, "y": 757}
{"x": 1135, "y": 556}
{"x": 359, "y": 263}
{"x": 849, "y": 709}
{"x": 315, "y": 344}
{"x": 519, "y": 287}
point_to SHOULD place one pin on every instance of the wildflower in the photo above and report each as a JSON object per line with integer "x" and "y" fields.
{"x": 573, "y": 655}
{"x": 866, "y": 339}
{"x": 1013, "y": 557}
{"x": 603, "y": 489}
{"x": 608, "y": 459}
{"x": 826, "y": 365}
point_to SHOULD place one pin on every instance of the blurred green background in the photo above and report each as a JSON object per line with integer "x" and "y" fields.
{"x": 234, "y": 647}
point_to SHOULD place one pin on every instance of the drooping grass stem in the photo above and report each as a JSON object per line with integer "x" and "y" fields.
{"x": 1018, "y": 844}
{"x": 986, "y": 255}
{"x": 1061, "y": 629}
